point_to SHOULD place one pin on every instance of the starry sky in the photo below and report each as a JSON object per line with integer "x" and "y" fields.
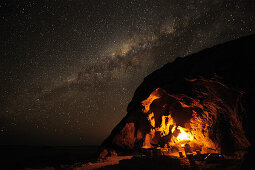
{"x": 68, "y": 69}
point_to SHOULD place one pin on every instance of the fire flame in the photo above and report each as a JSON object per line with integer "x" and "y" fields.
{"x": 183, "y": 135}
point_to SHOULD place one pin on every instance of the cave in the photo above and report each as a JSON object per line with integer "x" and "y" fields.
{"x": 204, "y": 121}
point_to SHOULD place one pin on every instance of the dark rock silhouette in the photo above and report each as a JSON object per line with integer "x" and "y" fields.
{"x": 220, "y": 79}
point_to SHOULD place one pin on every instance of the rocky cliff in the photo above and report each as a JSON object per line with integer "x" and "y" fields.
{"x": 208, "y": 94}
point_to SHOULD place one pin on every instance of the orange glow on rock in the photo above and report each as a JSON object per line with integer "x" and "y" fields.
{"x": 167, "y": 121}
{"x": 147, "y": 102}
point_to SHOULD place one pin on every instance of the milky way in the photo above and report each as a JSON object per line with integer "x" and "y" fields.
{"x": 69, "y": 69}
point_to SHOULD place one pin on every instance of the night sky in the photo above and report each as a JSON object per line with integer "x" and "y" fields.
{"x": 68, "y": 69}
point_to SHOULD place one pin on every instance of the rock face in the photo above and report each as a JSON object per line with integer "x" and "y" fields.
{"x": 209, "y": 95}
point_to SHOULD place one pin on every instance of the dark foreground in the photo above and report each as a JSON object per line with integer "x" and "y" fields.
{"x": 81, "y": 157}
{"x": 20, "y": 157}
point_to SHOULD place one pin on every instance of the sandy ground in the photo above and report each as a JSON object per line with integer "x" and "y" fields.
{"x": 136, "y": 162}
{"x": 109, "y": 161}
